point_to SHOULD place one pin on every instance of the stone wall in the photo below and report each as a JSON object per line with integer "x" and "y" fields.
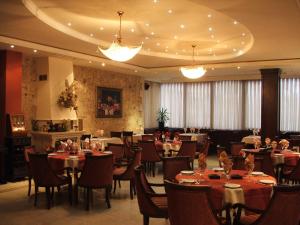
{"x": 132, "y": 93}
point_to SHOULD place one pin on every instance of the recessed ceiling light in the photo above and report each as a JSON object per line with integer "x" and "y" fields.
{"x": 210, "y": 29}
{"x": 212, "y": 36}
{"x": 146, "y": 38}
{"x": 152, "y": 33}
{"x": 182, "y": 26}
{"x": 170, "y": 11}
{"x": 238, "y": 67}
{"x": 115, "y": 35}
{"x": 69, "y": 24}
{"x": 103, "y": 64}
{"x": 158, "y": 44}
{"x": 240, "y": 52}
{"x": 234, "y": 50}
{"x": 90, "y": 61}
{"x": 12, "y": 46}
{"x": 142, "y": 42}
{"x": 92, "y": 35}
{"x": 175, "y": 37}
{"x": 242, "y": 42}
{"x": 210, "y": 50}
{"x": 147, "y": 24}
{"x": 235, "y": 22}
{"x": 135, "y": 71}
{"x": 176, "y": 53}
{"x": 101, "y": 28}
{"x": 155, "y": 1}
{"x": 167, "y": 46}
{"x": 183, "y": 50}
{"x": 166, "y": 50}
{"x": 243, "y": 34}
{"x": 209, "y": 15}
{"x": 212, "y": 68}
{"x": 35, "y": 51}
{"x": 132, "y": 30}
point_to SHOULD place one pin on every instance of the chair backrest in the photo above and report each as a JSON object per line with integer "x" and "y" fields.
{"x": 149, "y": 152}
{"x": 41, "y": 171}
{"x": 129, "y": 173}
{"x": 235, "y": 148}
{"x": 27, "y": 151}
{"x": 116, "y": 134}
{"x": 189, "y": 205}
{"x": 118, "y": 150}
{"x": 97, "y": 171}
{"x": 144, "y": 191}
{"x": 173, "y": 165}
{"x": 188, "y": 148}
{"x": 185, "y": 137}
{"x": 238, "y": 163}
{"x": 283, "y": 207}
{"x": 129, "y": 154}
{"x": 148, "y": 137}
{"x": 295, "y": 174}
{"x": 128, "y": 135}
{"x": 263, "y": 162}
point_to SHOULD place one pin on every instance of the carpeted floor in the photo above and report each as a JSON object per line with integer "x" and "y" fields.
{"x": 16, "y": 208}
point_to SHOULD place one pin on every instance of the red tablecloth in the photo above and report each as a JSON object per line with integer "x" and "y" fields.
{"x": 256, "y": 195}
{"x": 290, "y": 158}
{"x": 57, "y": 161}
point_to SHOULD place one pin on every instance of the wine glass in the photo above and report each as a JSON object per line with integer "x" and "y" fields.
{"x": 185, "y": 129}
{"x": 202, "y": 166}
{"x": 227, "y": 169}
{"x": 249, "y": 168}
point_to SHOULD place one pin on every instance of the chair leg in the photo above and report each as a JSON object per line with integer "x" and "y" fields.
{"x": 107, "y": 196}
{"x": 36, "y": 191}
{"x": 52, "y": 194}
{"x": 87, "y": 206}
{"x": 70, "y": 190}
{"x": 134, "y": 187}
{"x": 29, "y": 186}
{"x": 119, "y": 183}
{"x": 48, "y": 195}
{"x": 153, "y": 169}
{"x": 76, "y": 194}
{"x": 115, "y": 185}
{"x": 146, "y": 220}
{"x": 130, "y": 189}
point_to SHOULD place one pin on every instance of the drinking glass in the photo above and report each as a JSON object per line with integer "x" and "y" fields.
{"x": 249, "y": 168}
{"x": 202, "y": 167}
{"x": 185, "y": 129}
{"x": 227, "y": 169}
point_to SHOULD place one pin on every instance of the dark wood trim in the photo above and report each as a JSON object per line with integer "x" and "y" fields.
{"x": 2, "y": 96}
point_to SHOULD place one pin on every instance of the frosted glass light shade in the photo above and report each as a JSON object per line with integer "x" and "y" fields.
{"x": 193, "y": 72}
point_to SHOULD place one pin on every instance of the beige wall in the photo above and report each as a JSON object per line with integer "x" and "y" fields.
{"x": 88, "y": 79}
{"x": 132, "y": 90}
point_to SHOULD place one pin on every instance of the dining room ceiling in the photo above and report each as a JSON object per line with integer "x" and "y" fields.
{"x": 233, "y": 38}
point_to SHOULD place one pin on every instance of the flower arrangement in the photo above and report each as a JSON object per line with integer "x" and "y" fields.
{"x": 68, "y": 98}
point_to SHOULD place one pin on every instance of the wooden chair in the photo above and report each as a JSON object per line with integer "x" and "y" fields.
{"x": 235, "y": 148}
{"x": 148, "y": 137}
{"x": 263, "y": 162}
{"x": 151, "y": 204}
{"x": 116, "y": 134}
{"x": 185, "y": 137}
{"x": 97, "y": 173}
{"x": 173, "y": 165}
{"x": 188, "y": 148}
{"x": 127, "y": 173}
{"x": 27, "y": 151}
{"x": 189, "y": 205}
{"x": 44, "y": 176}
{"x": 118, "y": 151}
{"x": 129, "y": 136}
{"x": 150, "y": 155}
{"x": 283, "y": 209}
{"x": 292, "y": 175}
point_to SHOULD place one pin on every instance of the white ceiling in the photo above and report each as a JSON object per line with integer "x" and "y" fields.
{"x": 234, "y": 38}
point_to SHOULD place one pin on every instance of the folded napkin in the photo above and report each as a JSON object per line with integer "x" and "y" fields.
{"x": 236, "y": 176}
{"x": 214, "y": 176}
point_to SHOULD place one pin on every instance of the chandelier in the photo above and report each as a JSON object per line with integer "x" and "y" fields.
{"x": 193, "y": 72}
{"x": 117, "y": 51}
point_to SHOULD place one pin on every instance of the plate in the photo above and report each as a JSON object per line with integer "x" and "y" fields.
{"x": 60, "y": 151}
{"x": 188, "y": 180}
{"x": 278, "y": 154}
{"x": 73, "y": 157}
{"x": 218, "y": 169}
{"x": 107, "y": 152}
{"x": 187, "y": 172}
{"x": 266, "y": 181}
{"x": 257, "y": 173}
{"x": 52, "y": 154}
{"x": 87, "y": 150}
{"x": 232, "y": 185}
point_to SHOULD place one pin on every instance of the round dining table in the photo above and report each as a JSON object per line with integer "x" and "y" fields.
{"x": 252, "y": 190}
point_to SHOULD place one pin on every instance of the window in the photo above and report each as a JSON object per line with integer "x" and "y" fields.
{"x": 290, "y": 104}
{"x": 252, "y": 104}
{"x": 151, "y": 105}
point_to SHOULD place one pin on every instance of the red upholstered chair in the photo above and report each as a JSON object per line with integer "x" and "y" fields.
{"x": 128, "y": 135}
{"x": 97, "y": 173}
{"x": 44, "y": 176}
{"x": 27, "y": 151}
{"x": 148, "y": 137}
{"x": 235, "y": 148}
{"x": 238, "y": 162}
{"x": 150, "y": 155}
{"x": 188, "y": 148}
{"x": 189, "y": 205}
{"x": 293, "y": 175}
{"x": 283, "y": 209}
{"x": 151, "y": 204}
{"x": 116, "y": 134}
{"x": 127, "y": 173}
{"x": 173, "y": 165}
{"x": 118, "y": 151}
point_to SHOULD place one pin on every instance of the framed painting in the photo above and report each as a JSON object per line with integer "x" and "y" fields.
{"x": 109, "y": 102}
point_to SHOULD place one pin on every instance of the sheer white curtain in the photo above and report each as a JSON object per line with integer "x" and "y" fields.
{"x": 197, "y": 109}
{"x": 228, "y": 105}
{"x": 151, "y": 105}
{"x": 252, "y": 104}
{"x": 172, "y": 96}
{"x": 290, "y": 104}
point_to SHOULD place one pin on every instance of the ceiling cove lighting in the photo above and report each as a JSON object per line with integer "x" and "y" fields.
{"x": 193, "y": 72}
{"x": 117, "y": 51}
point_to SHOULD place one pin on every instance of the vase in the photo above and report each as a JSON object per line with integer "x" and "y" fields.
{"x": 161, "y": 126}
